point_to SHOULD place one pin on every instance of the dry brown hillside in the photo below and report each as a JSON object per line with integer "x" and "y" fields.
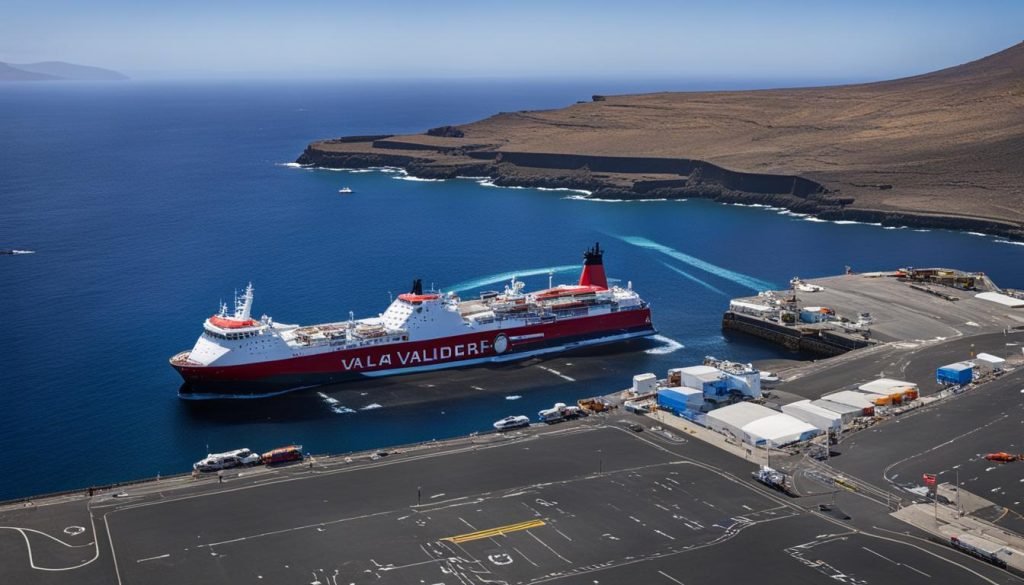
{"x": 949, "y": 143}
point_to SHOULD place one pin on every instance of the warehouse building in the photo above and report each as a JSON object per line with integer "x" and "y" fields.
{"x": 851, "y": 398}
{"x": 821, "y": 418}
{"x": 846, "y": 412}
{"x": 756, "y": 424}
{"x": 778, "y": 430}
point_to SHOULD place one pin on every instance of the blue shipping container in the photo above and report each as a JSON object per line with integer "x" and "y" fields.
{"x": 955, "y": 374}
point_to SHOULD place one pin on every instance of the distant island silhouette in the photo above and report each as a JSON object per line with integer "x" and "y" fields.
{"x": 57, "y": 71}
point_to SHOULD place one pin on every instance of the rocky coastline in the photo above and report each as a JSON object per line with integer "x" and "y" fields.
{"x": 630, "y": 178}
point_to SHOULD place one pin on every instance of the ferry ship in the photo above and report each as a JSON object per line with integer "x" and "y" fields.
{"x": 239, "y": 356}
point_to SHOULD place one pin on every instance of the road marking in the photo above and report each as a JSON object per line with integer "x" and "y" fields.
{"x": 525, "y": 557}
{"x": 879, "y": 555}
{"x": 670, "y": 577}
{"x": 557, "y": 373}
{"x": 164, "y": 556}
{"x": 917, "y": 571}
{"x": 549, "y": 548}
{"x": 665, "y": 535}
{"x": 563, "y": 534}
{"x": 499, "y": 531}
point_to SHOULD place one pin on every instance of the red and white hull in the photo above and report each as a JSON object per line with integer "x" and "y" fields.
{"x": 238, "y": 356}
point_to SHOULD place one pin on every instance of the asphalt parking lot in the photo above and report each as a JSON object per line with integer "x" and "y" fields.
{"x": 587, "y": 502}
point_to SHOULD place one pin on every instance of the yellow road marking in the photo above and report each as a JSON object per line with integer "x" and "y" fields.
{"x": 499, "y": 531}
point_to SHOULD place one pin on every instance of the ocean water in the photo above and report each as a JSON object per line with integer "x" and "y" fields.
{"x": 148, "y": 203}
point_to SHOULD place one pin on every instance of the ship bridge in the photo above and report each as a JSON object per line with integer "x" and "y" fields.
{"x": 425, "y": 315}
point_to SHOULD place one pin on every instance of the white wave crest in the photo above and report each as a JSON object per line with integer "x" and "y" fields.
{"x": 504, "y": 276}
{"x": 373, "y": 406}
{"x": 513, "y": 397}
{"x": 1010, "y": 242}
{"x": 668, "y": 345}
{"x": 815, "y": 219}
{"x": 417, "y": 179}
{"x": 293, "y": 165}
{"x": 979, "y": 234}
{"x": 719, "y": 271}
{"x": 23, "y": 251}
{"x": 583, "y": 191}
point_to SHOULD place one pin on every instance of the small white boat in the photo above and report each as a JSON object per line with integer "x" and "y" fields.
{"x": 218, "y": 461}
{"x": 345, "y": 190}
{"x": 512, "y": 422}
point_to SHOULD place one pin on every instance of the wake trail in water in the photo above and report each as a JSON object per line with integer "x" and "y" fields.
{"x": 706, "y": 285}
{"x": 496, "y": 278}
{"x": 668, "y": 345}
{"x": 731, "y": 275}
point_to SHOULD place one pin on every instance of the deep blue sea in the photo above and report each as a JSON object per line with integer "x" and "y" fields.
{"x": 147, "y": 203}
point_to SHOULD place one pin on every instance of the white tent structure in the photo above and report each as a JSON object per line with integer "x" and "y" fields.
{"x": 821, "y": 418}
{"x": 779, "y": 429}
{"x": 730, "y": 420}
{"x": 846, "y": 412}
{"x": 851, "y": 398}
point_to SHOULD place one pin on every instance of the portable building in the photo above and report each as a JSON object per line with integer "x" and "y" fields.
{"x": 680, "y": 399}
{"x": 711, "y": 381}
{"x": 778, "y": 429}
{"x": 822, "y": 418}
{"x": 731, "y": 419}
{"x": 750, "y": 308}
{"x": 987, "y": 362}
{"x": 851, "y": 398}
{"x": 956, "y": 374}
{"x": 845, "y": 411}
{"x": 813, "y": 314}
{"x": 744, "y": 380}
{"x": 882, "y": 399}
{"x": 645, "y": 383}
{"x": 898, "y": 390}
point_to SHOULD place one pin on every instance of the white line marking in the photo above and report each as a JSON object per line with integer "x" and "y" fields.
{"x": 665, "y": 535}
{"x": 164, "y": 556}
{"x": 879, "y": 555}
{"x": 557, "y": 373}
{"x": 670, "y": 577}
{"x": 917, "y": 571}
{"x": 525, "y": 557}
{"x": 31, "y": 559}
{"x": 545, "y": 545}
{"x": 563, "y": 534}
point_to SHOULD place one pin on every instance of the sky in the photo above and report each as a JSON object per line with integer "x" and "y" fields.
{"x": 823, "y": 39}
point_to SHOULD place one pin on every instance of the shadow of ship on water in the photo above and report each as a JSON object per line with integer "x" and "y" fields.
{"x": 575, "y": 374}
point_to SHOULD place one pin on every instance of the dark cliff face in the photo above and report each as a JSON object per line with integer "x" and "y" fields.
{"x": 608, "y": 177}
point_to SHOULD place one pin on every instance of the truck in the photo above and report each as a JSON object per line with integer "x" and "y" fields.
{"x": 773, "y": 478}
{"x": 282, "y": 455}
